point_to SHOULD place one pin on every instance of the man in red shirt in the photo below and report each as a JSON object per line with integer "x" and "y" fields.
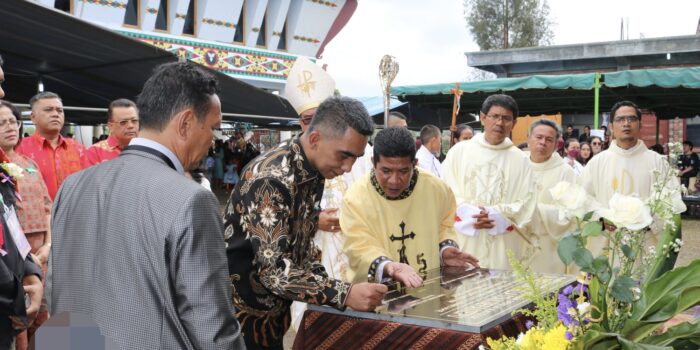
{"x": 56, "y": 156}
{"x": 123, "y": 123}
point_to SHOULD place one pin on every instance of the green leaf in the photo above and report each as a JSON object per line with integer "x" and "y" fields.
{"x": 622, "y": 289}
{"x": 584, "y": 258}
{"x": 683, "y": 331}
{"x": 630, "y": 345}
{"x": 588, "y": 216}
{"x": 674, "y": 292}
{"x": 592, "y": 229}
{"x": 601, "y": 269}
{"x": 627, "y": 250}
{"x": 566, "y": 248}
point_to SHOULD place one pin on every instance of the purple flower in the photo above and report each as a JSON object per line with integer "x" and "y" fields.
{"x": 563, "y": 310}
{"x": 568, "y": 335}
{"x": 568, "y": 289}
{"x": 529, "y": 324}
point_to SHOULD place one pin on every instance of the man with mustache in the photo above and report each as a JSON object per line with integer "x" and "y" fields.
{"x": 493, "y": 184}
{"x": 123, "y": 124}
{"x": 626, "y": 167}
{"x": 56, "y": 156}
{"x": 548, "y": 168}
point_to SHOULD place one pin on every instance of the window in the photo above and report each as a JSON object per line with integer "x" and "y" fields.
{"x": 188, "y": 27}
{"x": 63, "y": 5}
{"x": 262, "y": 35}
{"x": 162, "y": 18}
{"x": 238, "y": 37}
{"x": 131, "y": 17}
{"x": 282, "y": 45}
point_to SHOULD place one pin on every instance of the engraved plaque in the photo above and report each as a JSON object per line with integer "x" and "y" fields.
{"x": 473, "y": 300}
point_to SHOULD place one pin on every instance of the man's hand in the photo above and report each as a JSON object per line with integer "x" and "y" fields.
{"x": 365, "y": 296}
{"x": 35, "y": 290}
{"x": 452, "y": 256}
{"x": 403, "y": 273}
{"x": 42, "y": 255}
{"x": 482, "y": 220}
{"x": 328, "y": 220}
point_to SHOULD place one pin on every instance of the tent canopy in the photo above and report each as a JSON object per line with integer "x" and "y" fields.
{"x": 89, "y": 66}
{"x": 670, "y": 92}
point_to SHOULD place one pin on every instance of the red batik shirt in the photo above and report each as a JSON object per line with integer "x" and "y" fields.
{"x": 55, "y": 164}
{"x": 103, "y": 151}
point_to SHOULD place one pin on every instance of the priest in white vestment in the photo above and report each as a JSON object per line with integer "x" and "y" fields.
{"x": 626, "y": 167}
{"x": 398, "y": 219}
{"x": 494, "y": 187}
{"x": 546, "y": 227}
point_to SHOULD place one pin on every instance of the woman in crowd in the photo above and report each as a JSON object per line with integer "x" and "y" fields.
{"x": 464, "y": 132}
{"x": 586, "y": 153}
{"x": 34, "y": 207}
{"x": 596, "y": 145}
{"x": 573, "y": 148}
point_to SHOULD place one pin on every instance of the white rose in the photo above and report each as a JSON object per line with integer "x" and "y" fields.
{"x": 13, "y": 170}
{"x": 570, "y": 198}
{"x": 628, "y": 212}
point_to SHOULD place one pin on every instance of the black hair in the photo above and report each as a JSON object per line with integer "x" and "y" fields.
{"x": 119, "y": 103}
{"x": 621, "y": 104}
{"x": 500, "y": 100}
{"x": 336, "y": 113}
{"x": 172, "y": 88}
{"x": 427, "y": 132}
{"x": 394, "y": 142}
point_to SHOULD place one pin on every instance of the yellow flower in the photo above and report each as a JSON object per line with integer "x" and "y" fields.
{"x": 555, "y": 339}
{"x": 532, "y": 340}
{"x": 13, "y": 170}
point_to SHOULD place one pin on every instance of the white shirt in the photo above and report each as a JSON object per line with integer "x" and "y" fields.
{"x": 428, "y": 161}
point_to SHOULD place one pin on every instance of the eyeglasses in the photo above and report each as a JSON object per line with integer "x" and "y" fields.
{"x": 14, "y": 123}
{"x": 503, "y": 118}
{"x": 630, "y": 119}
{"x": 126, "y": 122}
{"x": 306, "y": 120}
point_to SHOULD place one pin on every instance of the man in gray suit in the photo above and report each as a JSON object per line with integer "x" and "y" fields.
{"x": 137, "y": 246}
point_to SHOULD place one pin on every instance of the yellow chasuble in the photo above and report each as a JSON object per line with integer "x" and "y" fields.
{"x": 498, "y": 177}
{"x": 375, "y": 227}
{"x": 546, "y": 229}
{"x": 628, "y": 172}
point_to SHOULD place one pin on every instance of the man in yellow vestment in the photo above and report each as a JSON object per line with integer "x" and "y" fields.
{"x": 493, "y": 184}
{"x": 398, "y": 219}
{"x": 548, "y": 169}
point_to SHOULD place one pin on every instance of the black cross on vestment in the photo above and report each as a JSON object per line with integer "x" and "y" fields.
{"x": 402, "y": 252}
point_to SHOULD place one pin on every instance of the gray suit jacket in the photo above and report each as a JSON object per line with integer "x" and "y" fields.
{"x": 139, "y": 249}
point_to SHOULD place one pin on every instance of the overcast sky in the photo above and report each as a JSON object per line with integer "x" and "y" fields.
{"x": 429, "y": 37}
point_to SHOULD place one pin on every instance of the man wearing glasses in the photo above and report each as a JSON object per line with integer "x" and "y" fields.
{"x": 626, "y": 167}
{"x": 494, "y": 187}
{"x": 123, "y": 124}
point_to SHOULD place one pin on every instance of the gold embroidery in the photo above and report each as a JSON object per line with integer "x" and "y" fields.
{"x": 307, "y": 85}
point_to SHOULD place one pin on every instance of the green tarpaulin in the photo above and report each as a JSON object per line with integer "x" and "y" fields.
{"x": 568, "y": 81}
{"x": 665, "y": 78}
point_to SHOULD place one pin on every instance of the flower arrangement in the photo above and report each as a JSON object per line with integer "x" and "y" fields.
{"x": 627, "y": 295}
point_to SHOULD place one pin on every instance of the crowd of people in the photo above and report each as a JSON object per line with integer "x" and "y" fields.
{"x": 120, "y": 234}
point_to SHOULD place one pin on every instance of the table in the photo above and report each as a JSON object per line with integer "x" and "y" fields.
{"x": 456, "y": 308}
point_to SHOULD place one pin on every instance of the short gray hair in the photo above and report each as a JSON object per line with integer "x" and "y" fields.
{"x": 43, "y": 96}
{"x": 545, "y": 122}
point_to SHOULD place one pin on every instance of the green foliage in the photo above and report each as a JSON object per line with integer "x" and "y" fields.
{"x": 689, "y": 331}
{"x": 622, "y": 289}
{"x": 546, "y": 311}
{"x": 524, "y": 23}
{"x": 566, "y": 248}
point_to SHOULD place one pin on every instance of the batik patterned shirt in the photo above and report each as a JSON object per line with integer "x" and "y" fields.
{"x": 103, "y": 151}
{"x": 270, "y": 219}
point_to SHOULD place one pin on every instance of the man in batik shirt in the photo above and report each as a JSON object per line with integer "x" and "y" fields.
{"x": 271, "y": 219}
{"x": 123, "y": 124}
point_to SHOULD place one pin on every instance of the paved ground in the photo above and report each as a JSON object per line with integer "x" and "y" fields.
{"x": 689, "y": 252}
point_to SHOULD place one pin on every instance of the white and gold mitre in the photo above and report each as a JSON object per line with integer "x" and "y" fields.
{"x": 307, "y": 85}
